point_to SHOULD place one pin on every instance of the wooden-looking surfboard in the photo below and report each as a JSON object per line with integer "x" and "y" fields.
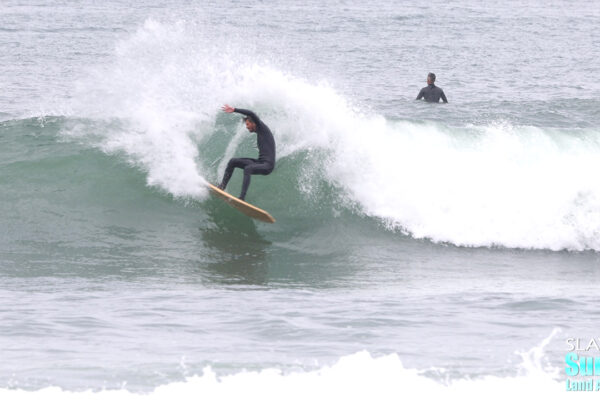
{"x": 246, "y": 208}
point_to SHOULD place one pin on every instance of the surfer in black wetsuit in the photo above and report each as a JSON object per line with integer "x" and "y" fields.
{"x": 432, "y": 93}
{"x": 266, "y": 151}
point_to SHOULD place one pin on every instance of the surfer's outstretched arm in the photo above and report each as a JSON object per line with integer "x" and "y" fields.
{"x": 228, "y": 109}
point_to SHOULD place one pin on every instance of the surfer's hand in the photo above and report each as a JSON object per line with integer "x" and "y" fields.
{"x": 228, "y": 109}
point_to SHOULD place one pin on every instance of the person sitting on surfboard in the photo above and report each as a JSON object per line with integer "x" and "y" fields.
{"x": 266, "y": 151}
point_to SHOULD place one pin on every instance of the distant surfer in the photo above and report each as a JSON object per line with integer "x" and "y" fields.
{"x": 432, "y": 93}
{"x": 266, "y": 151}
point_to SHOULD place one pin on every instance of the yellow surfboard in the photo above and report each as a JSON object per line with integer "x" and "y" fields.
{"x": 246, "y": 208}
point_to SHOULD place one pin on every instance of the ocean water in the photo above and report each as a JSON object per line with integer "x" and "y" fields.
{"x": 445, "y": 251}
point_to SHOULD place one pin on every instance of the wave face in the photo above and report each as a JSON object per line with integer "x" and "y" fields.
{"x": 494, "y": 183}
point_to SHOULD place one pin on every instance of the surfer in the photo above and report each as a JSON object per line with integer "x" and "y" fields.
{"x": 266, "y": 151}
{"x": 432, "y": 93}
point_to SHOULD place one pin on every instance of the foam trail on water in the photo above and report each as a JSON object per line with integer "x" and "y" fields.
{"x": 485, "y": 185}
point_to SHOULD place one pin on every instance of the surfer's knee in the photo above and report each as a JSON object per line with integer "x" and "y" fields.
{"x": 234, "y": 163}
{"x": 248, "y": 170}
{"x": 264, "y": 170}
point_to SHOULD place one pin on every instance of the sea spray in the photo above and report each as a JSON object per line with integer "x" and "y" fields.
{"x": 492, "y": 184}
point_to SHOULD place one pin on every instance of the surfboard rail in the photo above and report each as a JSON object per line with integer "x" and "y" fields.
{"x": 246, "y": 208}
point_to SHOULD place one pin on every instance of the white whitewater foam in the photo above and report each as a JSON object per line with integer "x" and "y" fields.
{"x": 498, "y": 184}
{"x": 353, "y": 377}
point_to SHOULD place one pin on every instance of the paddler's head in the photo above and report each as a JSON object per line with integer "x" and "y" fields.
{"x": 250, "y": 124}
{"x": 430, "y": 78}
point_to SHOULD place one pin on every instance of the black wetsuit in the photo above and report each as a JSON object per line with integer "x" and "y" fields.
{"x": 432, "y": 94}
{"x": 266, "y": 155}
